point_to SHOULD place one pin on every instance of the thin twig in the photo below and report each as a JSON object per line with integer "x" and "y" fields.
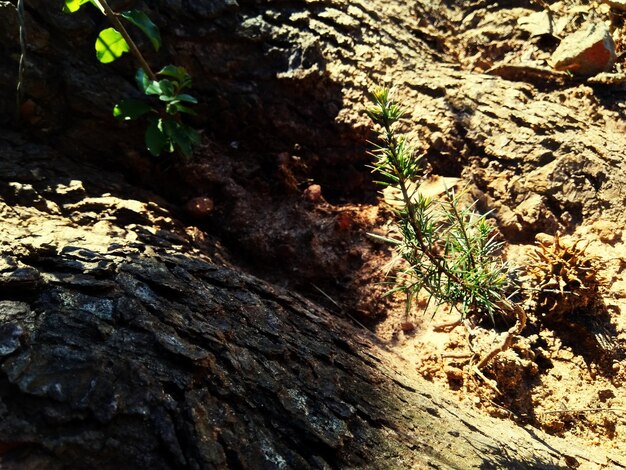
{"x": 327, "y": 296}
{"x": 11, "y": 208}
{"x": 20, "y": 70}
{"x": 500, "y": 407}
{"x": 113, "y": 18}
{"x": 452, "y": 355}
{"x": 508, "y": 337}
{"x": 342, "y": 311}
{"x": 490, "y": 383}
{"x": 447, "y": 326}
{"x": 369, "y": 332}
{"x": 583, "y": 410}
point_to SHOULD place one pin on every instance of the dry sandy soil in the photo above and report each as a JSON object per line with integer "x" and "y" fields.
{"x": 566, "y": 372}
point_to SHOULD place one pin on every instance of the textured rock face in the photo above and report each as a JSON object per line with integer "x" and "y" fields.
{"x": 286, "y": 76}
{"x": 110, "y": 319}
{"x": 124, "y": 346}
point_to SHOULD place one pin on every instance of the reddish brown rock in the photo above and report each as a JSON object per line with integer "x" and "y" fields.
{"x": 587, "y": 52}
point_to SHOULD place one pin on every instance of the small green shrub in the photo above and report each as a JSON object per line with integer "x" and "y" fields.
{"x": 165, "y": 130}
{"x": 450, "y": 250}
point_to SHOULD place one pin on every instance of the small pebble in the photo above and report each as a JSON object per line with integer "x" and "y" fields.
{"x": 199, "y": 207}
{"x": 608, "y": 232}
{"x": 436, "y": 140}
{"x": 344, "y": 221}
{"x": 313, "y": 193}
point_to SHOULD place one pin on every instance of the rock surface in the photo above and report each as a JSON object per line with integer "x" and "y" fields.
{"x": 127, "y": 342}
{"x": 123, "y": 345}
{"x": 587, "y": 52}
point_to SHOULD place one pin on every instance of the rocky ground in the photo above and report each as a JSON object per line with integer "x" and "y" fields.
{"x": 281, "y": 188}
{"x": 544, "y": 151}
{"x": 566, "y": 373}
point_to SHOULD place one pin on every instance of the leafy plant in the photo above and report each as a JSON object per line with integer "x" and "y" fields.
{"x": 451, "y": 251}
{"x": 165, "y": 130}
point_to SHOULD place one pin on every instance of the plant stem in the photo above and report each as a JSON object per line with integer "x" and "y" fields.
{"x": 402, "y": 182}
{"x": 467, "y": 288}
{"x": 461, "y": 224}
{"x": 20, "y": 70}
{"x": 113, "y": 18}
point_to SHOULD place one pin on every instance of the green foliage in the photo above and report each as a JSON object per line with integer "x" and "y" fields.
{"x": 165, "y": 130}
{"x": 110, "y": 45}
{"x": 131, "y": 109}
{"x": 145, "y": 24}
{"x": 72, "y": 6}
{"x": 450, "y": 250}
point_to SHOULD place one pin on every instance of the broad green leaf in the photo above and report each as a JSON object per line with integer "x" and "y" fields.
{"x": 143, "y": 22}
{"x": 193, "y": 134}
{"x": 143, "y": 81}
{"x": 74, "y": 5}
{"x": 176, "y": 107}
{"x": 177, "y": 73}
{"x": 130, "y": 109}
{"x": 155, "y": 138}
{"x": 153, "y": 88}
{"x": 182, "y": 97}
{"x": 183, "y": 142}
{"x": 181, "y": 136}
{"x": 187, "y": 98}
{"x": 169, "y": 126}
{"x": 96, "y": 3}
{"x": 110, "y": 45}
{"x": 167, "y": 90}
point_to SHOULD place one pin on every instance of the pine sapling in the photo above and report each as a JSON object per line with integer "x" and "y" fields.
{"x": 450, "y": 250}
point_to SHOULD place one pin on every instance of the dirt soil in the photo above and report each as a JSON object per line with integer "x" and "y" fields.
{"x": 565, "y": 374}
